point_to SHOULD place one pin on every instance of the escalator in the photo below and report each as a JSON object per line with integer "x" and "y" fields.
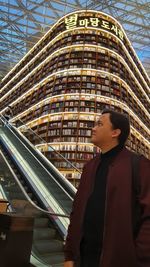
{"x": 33, "y": 186}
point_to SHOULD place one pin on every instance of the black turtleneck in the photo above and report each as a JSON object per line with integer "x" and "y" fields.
{"x": 93, "y": 224}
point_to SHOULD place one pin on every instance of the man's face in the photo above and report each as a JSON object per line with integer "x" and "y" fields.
{"x": 103, "y": 132}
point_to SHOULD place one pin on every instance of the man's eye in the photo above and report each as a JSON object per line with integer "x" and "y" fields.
{"x": 98, "y": 123}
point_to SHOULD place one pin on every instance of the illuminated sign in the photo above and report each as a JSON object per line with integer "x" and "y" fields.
{"x": 74, "y": 21}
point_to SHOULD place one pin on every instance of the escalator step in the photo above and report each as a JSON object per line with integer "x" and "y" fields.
{"x": 54, "y": 258}
{"x": 48, "y": 246}
{"x": 47, "y": 233}
{"x": 41, "y": 222}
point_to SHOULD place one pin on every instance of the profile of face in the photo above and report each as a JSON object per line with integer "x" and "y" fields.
{"x": 103, "y": 133}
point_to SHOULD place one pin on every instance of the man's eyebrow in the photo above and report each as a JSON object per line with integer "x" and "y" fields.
{"x": 99, "y": 121}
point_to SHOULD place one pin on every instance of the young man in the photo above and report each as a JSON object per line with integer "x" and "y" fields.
{"x": 100, "y": 233}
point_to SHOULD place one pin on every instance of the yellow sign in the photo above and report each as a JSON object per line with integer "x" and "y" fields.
{"x": 74, "y": 21}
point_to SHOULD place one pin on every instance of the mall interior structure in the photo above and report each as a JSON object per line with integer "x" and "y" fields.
{"x": 82, "y": 63}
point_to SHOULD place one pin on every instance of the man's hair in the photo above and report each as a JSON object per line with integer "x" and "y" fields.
{"x": 119, "y": 121}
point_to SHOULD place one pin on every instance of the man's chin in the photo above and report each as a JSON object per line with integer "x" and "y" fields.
{"x": 93, "y": 141}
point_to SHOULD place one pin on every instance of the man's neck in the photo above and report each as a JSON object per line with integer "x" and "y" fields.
{"x": 108, "y": 147}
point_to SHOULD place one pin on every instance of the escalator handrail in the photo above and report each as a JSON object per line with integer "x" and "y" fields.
{"x": 65, "y": 181}
{"x": 28, "y": 128}
{"x": 44, "y": 194}
{"x": 9, "y": 127}
{"x": 26, "y": 195}
{"x": 68, "y": 185}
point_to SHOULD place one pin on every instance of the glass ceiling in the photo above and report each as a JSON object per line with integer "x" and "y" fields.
{"x": 23, "y": 22}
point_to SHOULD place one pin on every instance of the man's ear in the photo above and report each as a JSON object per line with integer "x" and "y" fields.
{"x": 116, "y": 132}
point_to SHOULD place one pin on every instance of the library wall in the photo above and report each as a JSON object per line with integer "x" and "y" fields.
{"x": 84, "y": 64}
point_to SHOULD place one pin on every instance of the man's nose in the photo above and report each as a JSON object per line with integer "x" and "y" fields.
{"x": 93, "y": 129}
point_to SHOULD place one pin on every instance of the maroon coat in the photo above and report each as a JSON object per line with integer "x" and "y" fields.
{"x": 119, "y": 248}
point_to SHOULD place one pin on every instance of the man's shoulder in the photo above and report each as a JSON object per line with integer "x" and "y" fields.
{"x": 130, "y": 153}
